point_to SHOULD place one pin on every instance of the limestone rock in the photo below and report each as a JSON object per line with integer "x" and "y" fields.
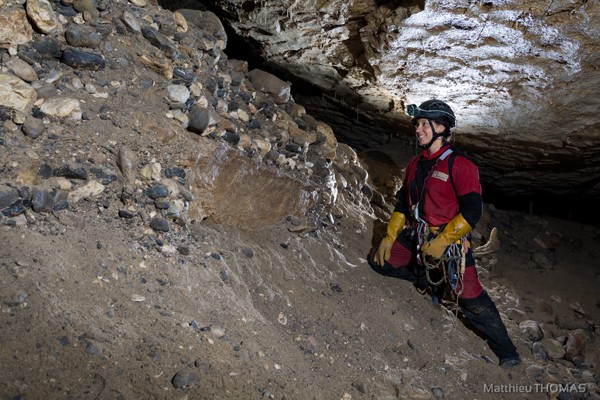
{"x": 62, "y": 108}
{"x": 43, "y": 16}
{"x": 576, "y": 345}
{"x": 271, "y": 84}
{"x": 15, "y": 93}
{"x": 83, "y": 36}
{"x": 207, "y": 22}
{"x": 21, "y": 69}
{"x": 531, "y": 330}
{"x": 14, "y": 27}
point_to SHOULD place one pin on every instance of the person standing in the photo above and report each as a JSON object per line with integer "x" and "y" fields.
{"x": 427, "y": 237}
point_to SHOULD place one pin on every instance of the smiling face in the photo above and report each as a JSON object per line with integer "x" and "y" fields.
{"x": 423, "y": 130}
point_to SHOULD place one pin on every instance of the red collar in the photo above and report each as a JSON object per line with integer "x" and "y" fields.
{"x": 426, "y": 156}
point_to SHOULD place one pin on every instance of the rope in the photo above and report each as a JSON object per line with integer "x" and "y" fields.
{"x": 455, "y": 256}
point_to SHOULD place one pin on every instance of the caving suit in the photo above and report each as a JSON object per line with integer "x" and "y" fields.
{"x": 435, "y": 189}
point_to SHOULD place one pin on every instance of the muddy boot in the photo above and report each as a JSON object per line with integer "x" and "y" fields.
{"x": 482, "y": 313}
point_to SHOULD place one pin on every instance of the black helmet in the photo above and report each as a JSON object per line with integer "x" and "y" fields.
{"x": 435, "y": 110}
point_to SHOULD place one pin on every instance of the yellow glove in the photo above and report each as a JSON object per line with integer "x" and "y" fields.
{"x": 454, "y": 230}
{"x": 394, "y": 227}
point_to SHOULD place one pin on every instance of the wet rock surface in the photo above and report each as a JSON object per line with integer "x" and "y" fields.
{"x": 142, "y": 258}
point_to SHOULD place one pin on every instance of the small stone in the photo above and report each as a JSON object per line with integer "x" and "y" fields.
{"x": 199, "y": 119}
{"x": 162, "y": 205}
{"x": 22, "y": 69}
{"x": 83, "y": 36}
{"x": 248, "y": 252}
{"x": 70, "y": 172}
{"x": 15, "y": 209}
{"x": 576, "y": 345}
{"x": 131, "y": 21}
{"x": 63, "y": 340}
{"x": 224, "y": 275}
{"x": 540, "y": 350}
{"x": 8, "y": 196}
{"x": 184, "y": 250}
{"x": 77, "y": 58}
{"x": 157, "y": 191}
{"x": 92, "y": 349}
{"x": 45, "y": 171}
{"x": 62, "y": 108}
{"x": 159, "y": 224}
{"x": 33, "y": 127}
{"x": 91, "y": 189}
{"x": 578, "y": 361}
{"x": 16, "y": 300}
{"x": 177, "y": 93}
{"x": 160, "y": 41}
{"x": 48, "y": 48}
{"x": 137, "y": 298}
{"x": 187, "y": 77}
{"x": 553, "y": 348}
{"x": 41, "y": 201}
{"x": 231, "y": 137}
{"x": 531, "y": 330}
{"x": 184, "y": 378}
{"x": 89, "y": 6}
{"x": 126, "y": 161}
{"x": 438, "y": 393}
{"x": 516, "y": 315}
{"x": 126, "y": 214}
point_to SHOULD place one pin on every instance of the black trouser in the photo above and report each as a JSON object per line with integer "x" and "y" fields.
{"x": 482, "y": 314}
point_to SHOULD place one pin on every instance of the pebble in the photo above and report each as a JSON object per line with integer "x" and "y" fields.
{"x": 159, "y": 224}
{"x": 83, "y": 36}
{"x": 8, "y": 196}
{"x": 137, "y": 298}
{"x": 92, "y": 349}
{"x": 576, "y": 345}
{"x": 126, "y": 161}
{"x": 160, "y": 41}
{"x": 247, "y": 251}
{"x": 224, "y": 275}
{"x": 76, "y": 58}
{"x": 198, "y": 119}
{"x": 531, "y": 330}
{"x": 41, "y": 201}
{"x": 184, "y": 379}
{"x": 16, "y": 300}
{"x": 157, "y": 191}
{"x": 438, "y": 393}
{"x": 33, "y": 127}
{"x": 184, "y": 250}
{"x": 126, "y": 214}
{"x": 70, "y": 172}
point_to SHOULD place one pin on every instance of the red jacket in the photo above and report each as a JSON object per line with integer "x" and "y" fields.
{"x": 441, "y": 195}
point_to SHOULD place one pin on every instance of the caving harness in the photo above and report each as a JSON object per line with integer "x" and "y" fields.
{"x": 453, "y": 261}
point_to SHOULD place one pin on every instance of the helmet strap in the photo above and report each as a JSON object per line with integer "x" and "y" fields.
{"x": 434, "y": 137}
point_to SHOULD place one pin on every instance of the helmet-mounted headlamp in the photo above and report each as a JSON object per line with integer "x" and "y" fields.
{"x": 435, "y": 110}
